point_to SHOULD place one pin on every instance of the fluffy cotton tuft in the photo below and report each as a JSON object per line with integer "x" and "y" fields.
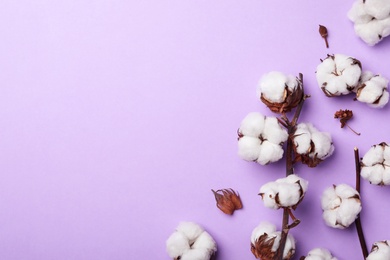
{"x": 280, "y": 92}
{"x": 371, "y": 20}
{"x": 375, "y": 165}
{"x": 341, "y": 205}
{"x": 190, "y": 242}
{"x": 286, "y": 192}
{"x": 265, "y": 241}
{"x": 338, "y": 74}
{"x": 310, "y": 146}
{"x": 373, "y": 90}
{"x": 260, "y": 139}
{"x": 380, "y": 251}
{"x": 319, "y": 254}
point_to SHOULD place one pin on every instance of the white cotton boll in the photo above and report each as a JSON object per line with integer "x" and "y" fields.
{"x": 268, "y": 192}
{"x": 341, "y": 205}
{"x": 290, "y": 245}
{"x": 295, "y": 179}
{"x": 302, "y": 138}
{"x": 263, "y": 228}
{"x": 338, "y": 74}
{"x": 252, "y": 124}
{"x": 285, "y": 192}
{"x": 373, "y": 90}
{"x": 348, "y": 212}
{"x": 292, "y": 83}
{"x": 190, "y": 229}
{"x": 196, "y": 254}
{"x": 272, "y": 86}
{"x": 289, "y": 194}
{"x": 177, "y": 244}
{"x": 373, "y": 31}
{"x": 205, "y": 241}
{"x": 269, "y": 152}
{"x": 374, "y": 174}
{"x": 273, "y": 132}
{"x": 249, "y": 148}
{"x": 379, "y": 9}
{"x": 380, "y": 251}
{"x": 320, "y": 254}
{"x": 386, "y": 176}
{"x": 323, "y": 145}
{"x": 374, "y": 155}
{"x": 358, "y": 14}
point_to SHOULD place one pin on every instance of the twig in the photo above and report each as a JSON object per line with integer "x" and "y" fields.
{"x": 358, "y": 222}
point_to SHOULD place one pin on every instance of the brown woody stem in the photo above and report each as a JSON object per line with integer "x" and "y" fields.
{"x": 291, "y": 126}
{"x": 358, "y": 222}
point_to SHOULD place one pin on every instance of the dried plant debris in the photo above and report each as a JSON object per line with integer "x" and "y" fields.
{"x": 371, "y": 20}
{"x": 319, "y": 254}
{"x": 280, "y": 92}
{"x": 372, "y": 89}
{"x": 341, "y": 205}
{"x": 265, "y": 241}
{"x": 345, "y": 116}
{"x": 311, "y": 146}
{"x": 380, "y": 250}
{"x": 286, "y": 192}
{"x": 190, "y": 241}
{"x": 227, "y": 200}
{"x": 375, "y": 165}
{"x": 324, "y": 34}
{"x": 260, "y": 139}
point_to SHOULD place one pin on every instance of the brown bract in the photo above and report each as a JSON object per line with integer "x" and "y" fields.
{"x": 291, "y": 99}
{"x": 262, "y": 248}
{"x": 227, "y": 200}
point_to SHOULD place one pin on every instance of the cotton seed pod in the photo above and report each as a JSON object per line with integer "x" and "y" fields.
{"x": 286, "y": 192}
{"x": 341, "y": 205}
{"x": 319, "y": 254}
{"x": 190, "y": 242}
{"x": 280, "y": 92}
{"x": 380, "y": 251}
{"x": 371, "y": 20}
{"x": 373, "y": 90}
{"x": 310, "y": 146}
{"x": 260, "y": 139}
{"x": 265, "y": 241}
{"x": 227, "y": 200}
{"x": 375, "y": 165}
{"x": 338, "y": 74}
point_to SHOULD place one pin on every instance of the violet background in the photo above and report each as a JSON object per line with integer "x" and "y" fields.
{"x": 118, "y": 117}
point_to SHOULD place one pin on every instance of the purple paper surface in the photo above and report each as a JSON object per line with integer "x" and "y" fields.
{"x": 119, "y": 117}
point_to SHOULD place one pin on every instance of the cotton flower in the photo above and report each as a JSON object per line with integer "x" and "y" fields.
{"x": 286, "y": 192}
{"x": 341, "y": 205}
{"x": 190, "y": 242}
{"x": 373, "y": 90}
{"x": 265, "y": 241}
{"x": 227, "y": 200}
{"x": 380, "y": 251}
{"x": 371, "y": 20}
{"x": 338, "y": 74}
{"x": 280, "y": 92}
{"x": 375, "y": 165}
{"x": 260, "y": 139}
{"x": 319, "y": 254}
{"x": 310, "y": 146}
